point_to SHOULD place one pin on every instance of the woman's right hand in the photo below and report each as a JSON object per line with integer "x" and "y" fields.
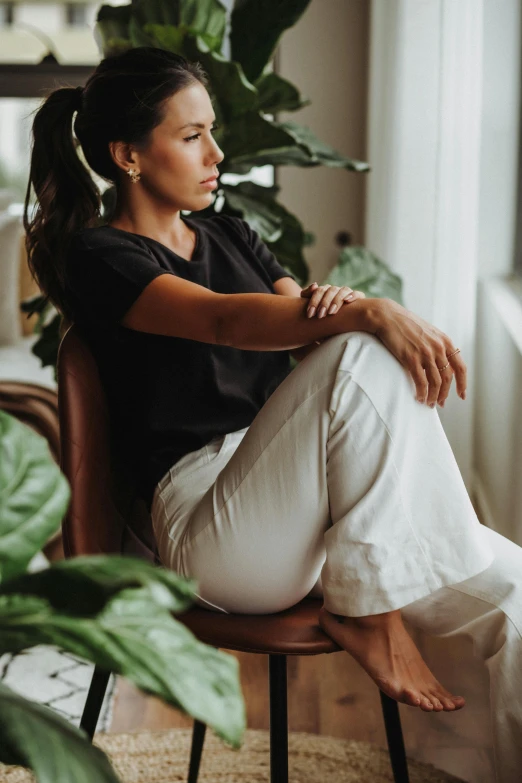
{"x": 421, "y": 348}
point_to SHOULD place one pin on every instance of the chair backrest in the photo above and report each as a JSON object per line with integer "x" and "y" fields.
{"x": 105, "y": 514}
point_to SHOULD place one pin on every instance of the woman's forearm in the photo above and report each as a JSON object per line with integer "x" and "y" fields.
{"x": 267, "y": 322}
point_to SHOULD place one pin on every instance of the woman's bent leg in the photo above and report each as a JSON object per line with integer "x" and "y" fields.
{"x": 342, "y": 469}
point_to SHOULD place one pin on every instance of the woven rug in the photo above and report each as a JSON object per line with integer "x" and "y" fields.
{"x": 162, "y": 757}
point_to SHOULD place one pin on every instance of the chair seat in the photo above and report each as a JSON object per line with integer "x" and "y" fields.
{"x": 296, "y": 631}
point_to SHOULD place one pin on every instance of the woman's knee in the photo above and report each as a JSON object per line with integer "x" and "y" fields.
{"x": 351, "y": 349}
{"x": 360, "y": 358}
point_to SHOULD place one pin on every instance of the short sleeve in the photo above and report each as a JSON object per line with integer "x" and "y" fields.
{"x": 267, "y": 258}
{"x": 104, "y": 282}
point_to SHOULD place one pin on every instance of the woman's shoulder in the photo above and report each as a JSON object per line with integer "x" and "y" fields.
{"x": 104, "y": 236}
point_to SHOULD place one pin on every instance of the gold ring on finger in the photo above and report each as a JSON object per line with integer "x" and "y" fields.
{"x": 443, "y": 368}
{"x": 453, "y": 354}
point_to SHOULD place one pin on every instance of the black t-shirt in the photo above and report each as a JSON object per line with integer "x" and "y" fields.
{"x": 168, "y": 396}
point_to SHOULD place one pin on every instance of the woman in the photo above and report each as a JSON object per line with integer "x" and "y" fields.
{"x": 264, "y": 484}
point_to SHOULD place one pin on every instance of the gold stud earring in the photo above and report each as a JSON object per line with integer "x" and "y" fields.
{"x": 134, "y": 175}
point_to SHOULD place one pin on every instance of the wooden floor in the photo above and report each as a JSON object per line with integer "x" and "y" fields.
{"x": 332, "y": 695}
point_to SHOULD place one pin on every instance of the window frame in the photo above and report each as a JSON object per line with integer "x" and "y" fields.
{"x": 27, "y": 80}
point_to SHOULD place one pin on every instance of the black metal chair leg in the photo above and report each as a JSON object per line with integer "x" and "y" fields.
{"x": 198, "y": 738}
{"x": 93, "y": 705}
{"x": 278, "y": 719}
{"x": 392, "y": 724}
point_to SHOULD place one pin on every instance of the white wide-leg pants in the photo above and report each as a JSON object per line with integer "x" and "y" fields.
{"x": 344, "y": 485}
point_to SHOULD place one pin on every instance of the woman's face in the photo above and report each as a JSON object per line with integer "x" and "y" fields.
{"x": 180, "y": 155}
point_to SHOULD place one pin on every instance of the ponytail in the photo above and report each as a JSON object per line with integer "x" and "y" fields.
{"x": 67, "y": 198}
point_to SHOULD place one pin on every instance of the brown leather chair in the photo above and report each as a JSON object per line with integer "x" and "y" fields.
{"x": 106, "y": 516}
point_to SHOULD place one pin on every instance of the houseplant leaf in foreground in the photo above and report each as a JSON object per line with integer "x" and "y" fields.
{"x": 136, "y": 637}
{"x": 84, "y": 585}
{"x": 36, "y": 737}
{"x": 34, "y": 495}
{"x": 112, "y": 610}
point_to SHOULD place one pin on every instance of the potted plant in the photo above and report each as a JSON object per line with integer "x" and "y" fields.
{"x": 116, "y": 611}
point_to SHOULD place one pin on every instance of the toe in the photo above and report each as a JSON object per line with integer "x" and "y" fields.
{"x": 450, "y": 701}
{"x": 426, "y": 704}
{"x": 411, "y": 697}
{"x": 454, "y": 702}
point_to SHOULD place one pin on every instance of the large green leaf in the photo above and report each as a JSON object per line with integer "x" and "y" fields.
{"x": 288, "y": 154}
{"x": 257, "y": 26}
{"x": 84, "y": 585}
{"x": 281, "y": 230}
{"x": 136, "y": 637}
{"x": 206, "y": 18}
{"x": 36, "y": 737}
{"x": 361, "y": 269}
{"x": 255, "y": 203}
{"x": 34, "y": 495}
{"x": 320, "y": 153}
{"x": 277, "y": 94}
{"x": 252, "y": 140}
{"x": 203, "y": 16}
{"x": 251, "y": 136}
{"x": 167, "y": 36}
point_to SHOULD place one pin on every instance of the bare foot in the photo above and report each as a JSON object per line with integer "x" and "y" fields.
{"x": 386, "y": 651}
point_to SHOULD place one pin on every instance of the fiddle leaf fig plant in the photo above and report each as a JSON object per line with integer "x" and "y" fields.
{"x": 247, "y": 96}
{"x": 115, "y": 611}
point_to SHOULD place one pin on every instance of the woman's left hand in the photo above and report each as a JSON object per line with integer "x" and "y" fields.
{"x": 327, "y": 299}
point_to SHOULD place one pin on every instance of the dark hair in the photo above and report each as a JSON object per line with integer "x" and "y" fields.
{"x": 123, "y": 100}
